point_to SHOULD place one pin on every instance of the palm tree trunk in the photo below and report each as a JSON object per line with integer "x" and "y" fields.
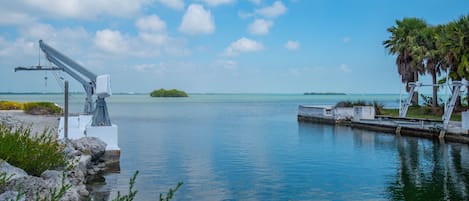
{"x": 415, "y": 97}
{"x": 435, "y": 92}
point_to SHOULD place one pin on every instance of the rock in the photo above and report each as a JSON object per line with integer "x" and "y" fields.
{"x": 30, "y": 186}
{"x": 11, "y": 195}
{"x": 69, "y": 150}
{"x": 12, "y": 171}
{"x": 84, "y": 162}
{"x": 90, "y": 146}
{"x": 54, "y": 179}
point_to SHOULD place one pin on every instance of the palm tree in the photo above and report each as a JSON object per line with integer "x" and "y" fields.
{"x": 428, "y": 54}
{"x": 454, "y": 43}
{"x": 401, "y": 43}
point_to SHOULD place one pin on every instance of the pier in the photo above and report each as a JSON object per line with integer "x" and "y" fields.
{"x": 363, "y": 117}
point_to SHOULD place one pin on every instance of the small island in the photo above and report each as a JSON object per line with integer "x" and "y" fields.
{"x": 323, "y": 93}
{"x": 168, "y": 93}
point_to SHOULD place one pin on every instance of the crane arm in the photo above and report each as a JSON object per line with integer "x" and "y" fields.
{"x": 89, "y": 81}
{"x": 53, "y": 53}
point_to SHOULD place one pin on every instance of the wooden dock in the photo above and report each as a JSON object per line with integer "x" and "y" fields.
{"x": 417, "y": 127}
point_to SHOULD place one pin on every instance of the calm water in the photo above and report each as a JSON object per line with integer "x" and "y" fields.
{"x": 250, "y": 147}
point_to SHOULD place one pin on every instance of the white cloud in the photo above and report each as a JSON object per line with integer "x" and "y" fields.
{"x": 344, "y": 68}
{"x": 110, "y": 41}
{"x": 9, "y": 17}
{"x": 82, "y": 9}
{"x": 218, "y": 2}
{"x": 276, "y": 9}
{"x": 243, "y": 45}
{"x": 260, "y": 27}
{"x": 292, "y": 45}
{"x": 174, "y": 4}
{"x": 152, "y": 29}
{"x": 18, "y": 47}
{"x": 151, "y": 23}
{"x": 197, "y": 20}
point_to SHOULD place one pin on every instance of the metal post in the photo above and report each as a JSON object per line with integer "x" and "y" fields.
{"x": 66, "y": 111}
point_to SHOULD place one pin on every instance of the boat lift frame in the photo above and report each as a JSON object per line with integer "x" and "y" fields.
{"x": 450, "y": 103}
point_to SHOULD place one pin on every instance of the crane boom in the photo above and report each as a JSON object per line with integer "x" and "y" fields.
{"x": 89, "y": 81}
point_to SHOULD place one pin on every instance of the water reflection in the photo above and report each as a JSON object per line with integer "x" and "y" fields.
{"x": 430, "y": 171}
{"x": 417, "y": 169}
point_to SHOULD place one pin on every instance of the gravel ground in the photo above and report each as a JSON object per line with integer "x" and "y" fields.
{"x": 37, "y": 122}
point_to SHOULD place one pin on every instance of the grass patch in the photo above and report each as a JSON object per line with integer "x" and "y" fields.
{"x": 424, "y": 112}
{"x": 10, "y": 105}
{"x": 36, "y": 108}
{"x": 41, "y": 108}
{"x": 32, "y": 154}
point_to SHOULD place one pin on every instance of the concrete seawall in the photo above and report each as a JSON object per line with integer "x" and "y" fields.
{"x": 400, "y": 126}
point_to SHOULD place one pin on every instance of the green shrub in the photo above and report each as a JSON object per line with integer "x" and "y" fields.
{"x": 41, "y": 108}
{"x": 32, "y": 154}
{"x": 168, "y": 93}
{"x": 349, "y": 103}
{"x": 10, "y": 105}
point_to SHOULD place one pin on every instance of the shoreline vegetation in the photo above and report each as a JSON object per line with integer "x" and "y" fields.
{"x": 323, "y": 93}
{"x": 34, "y": 108}
{"x": 425, "y": 111}
{"x": 168, "y": 93}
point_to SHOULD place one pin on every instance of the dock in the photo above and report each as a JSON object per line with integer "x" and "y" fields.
{"x": 363, "y": 117}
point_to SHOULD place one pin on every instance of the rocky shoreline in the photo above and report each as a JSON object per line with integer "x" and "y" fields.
{"x": 87, "y": 156}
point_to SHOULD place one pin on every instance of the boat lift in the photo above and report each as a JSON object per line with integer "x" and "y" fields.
{"x": 95, "y": 121}
{"x": 450, "y": 103}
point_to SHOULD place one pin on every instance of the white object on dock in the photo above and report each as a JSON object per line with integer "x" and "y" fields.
{"x": 363, "y": 112}
{"x": 465, "y": 120}
{"x": 80, "y": 126}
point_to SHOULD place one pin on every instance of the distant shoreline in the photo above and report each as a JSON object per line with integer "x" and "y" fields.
{"x": 323, "y": 93}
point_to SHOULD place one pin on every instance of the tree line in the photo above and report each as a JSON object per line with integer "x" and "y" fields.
{"x": 422, "y": 49}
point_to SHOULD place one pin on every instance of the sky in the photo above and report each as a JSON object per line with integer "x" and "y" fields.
{"x": 213, "y": 46}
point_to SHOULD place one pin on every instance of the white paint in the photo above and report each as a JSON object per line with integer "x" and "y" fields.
{"x": 316, "y": 111}
{"x": 465, "y": 120}
{"x": 80, "y": 126}
{"x": 363, "y": 112}
{"x": 103, "y": 85}
{"x": 341, "y": 113}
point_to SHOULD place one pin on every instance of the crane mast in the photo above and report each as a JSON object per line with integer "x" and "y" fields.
{"x": 91, "y": 83}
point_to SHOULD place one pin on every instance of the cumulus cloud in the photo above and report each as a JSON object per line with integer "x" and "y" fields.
{"x": 260, "y": 27}
{"x": 174, "y": 4}
{"x": 151, "y": 23}
{"x": 110, "y": 41}
{"x": 344, "y": 68}
{"x": 292, "y": 45}
{"x": 82, "y": 9}
{"x": 197, "y": 20}
{"x": 276, "y": 9}
{"x": 243, "y": 45}
{"x": 218, "y": 2}
{"x": 8, "y": 17}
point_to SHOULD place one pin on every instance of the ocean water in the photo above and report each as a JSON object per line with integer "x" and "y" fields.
{"x": 251, "y": 147}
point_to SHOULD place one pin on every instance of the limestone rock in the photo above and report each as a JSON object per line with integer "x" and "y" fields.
{"x": 12, "y": 170}
{"x": 90, "y": 146}
{"x": 11, "y": 195}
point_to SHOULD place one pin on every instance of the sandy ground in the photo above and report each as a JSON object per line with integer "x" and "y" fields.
{"x": 37, "y": 122}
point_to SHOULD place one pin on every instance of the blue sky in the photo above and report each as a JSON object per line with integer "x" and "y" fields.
{"x": 213, "y": 46}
